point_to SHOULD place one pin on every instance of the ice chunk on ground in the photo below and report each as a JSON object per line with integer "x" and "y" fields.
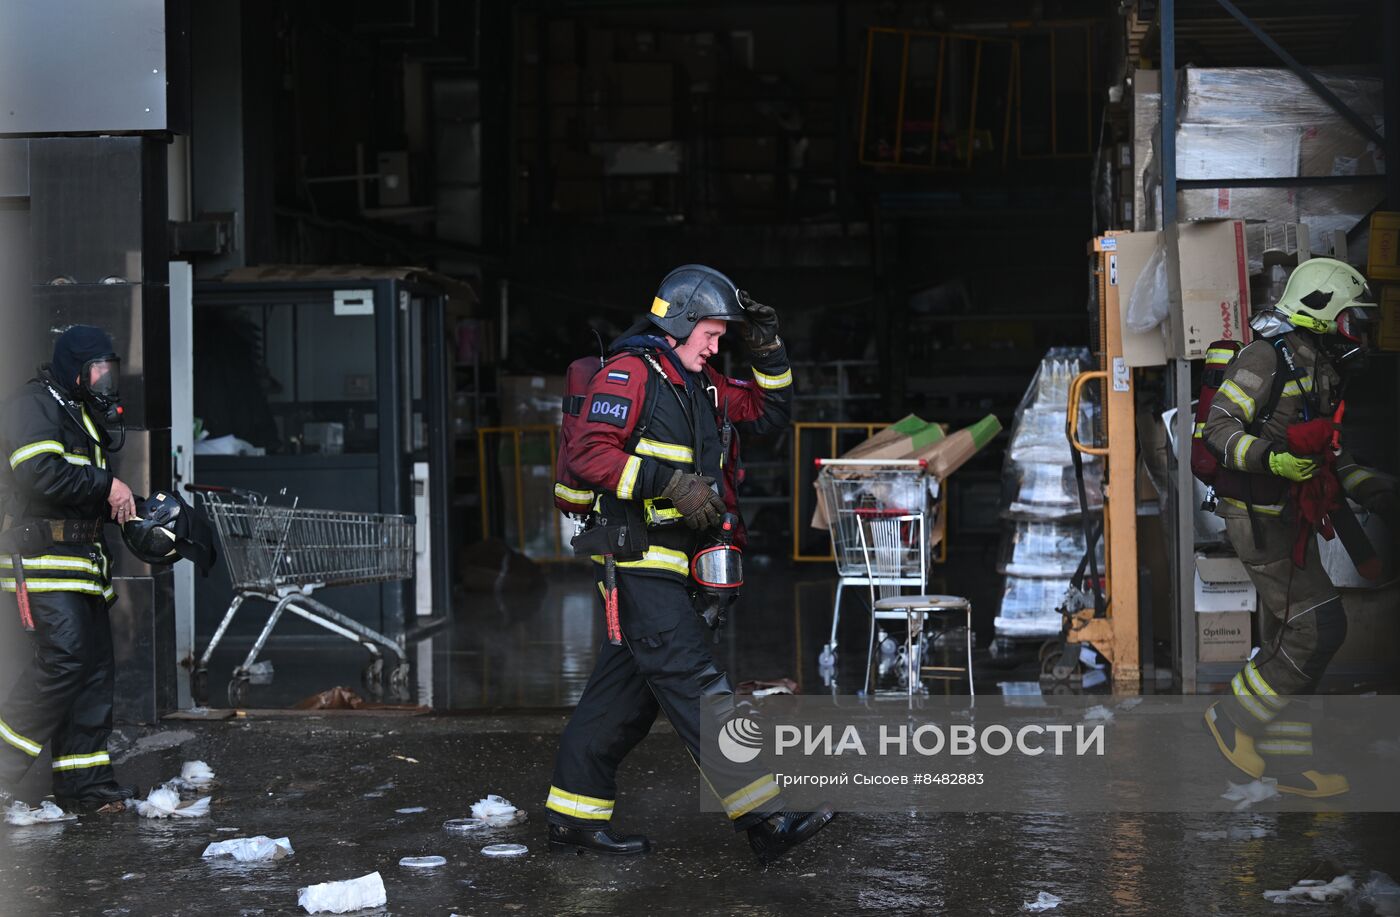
{"x": 196, "y": 774}
{"x": 423, "y": 862}
{"x": 1043, "y": 902}
{"x": 497, "y": 812}
{"x": 340, "y": 897}
{"x": 164, "y": 802}
{"x": 20, "y": 814}
{"x": 1309, "y": 891}
{"x": 1245, "y": 795}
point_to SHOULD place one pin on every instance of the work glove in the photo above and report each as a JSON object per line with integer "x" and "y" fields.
{"x": 760, "y": 326}
{"x": 1289, "y": 466}
{"x": 694, "y": 497}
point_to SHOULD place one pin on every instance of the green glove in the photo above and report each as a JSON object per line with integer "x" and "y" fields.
{"x": 1287, "y": 465}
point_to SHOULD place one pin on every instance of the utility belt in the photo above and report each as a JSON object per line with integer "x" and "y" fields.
{"x": 35, "y": 536}
{"x": 1250, "y": 488}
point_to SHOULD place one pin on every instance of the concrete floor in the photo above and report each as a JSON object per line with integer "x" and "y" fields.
{"x": 501, "y": 683}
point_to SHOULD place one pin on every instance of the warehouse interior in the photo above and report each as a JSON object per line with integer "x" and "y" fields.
{"x": 918, "y": 188}
{"x": 351, "y": 249}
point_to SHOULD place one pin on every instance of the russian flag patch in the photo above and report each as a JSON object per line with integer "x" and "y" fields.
{"x": 619, "y": 377}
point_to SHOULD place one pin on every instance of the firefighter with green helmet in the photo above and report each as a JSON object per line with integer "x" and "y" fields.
{"x": 1293, "y": 373}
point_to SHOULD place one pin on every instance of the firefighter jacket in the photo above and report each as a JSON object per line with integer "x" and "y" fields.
{"x": 627, "y": 449}
{"x": 57, "y": 471}
{"x": 1240, "y": 444}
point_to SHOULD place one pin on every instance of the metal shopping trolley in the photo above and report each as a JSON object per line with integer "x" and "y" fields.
{"x": 282, "y": 554}
{"x": 853, "y": 492}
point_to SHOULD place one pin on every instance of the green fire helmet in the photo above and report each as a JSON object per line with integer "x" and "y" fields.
{"x": 1319, "y": 291}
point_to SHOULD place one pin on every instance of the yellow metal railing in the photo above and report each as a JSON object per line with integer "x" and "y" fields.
{"x": 801, "y": 483}
{"x": 516, "y": 435}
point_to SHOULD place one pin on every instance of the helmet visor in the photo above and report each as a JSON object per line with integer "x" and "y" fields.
{"x": 1356, "y": 325}
{"x": 718, "y": 567}
{"x": 100, "y": 377}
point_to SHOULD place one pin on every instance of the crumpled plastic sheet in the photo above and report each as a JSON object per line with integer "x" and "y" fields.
{"x": 195, "y": 776}
{"x": 1245, "y": 795}
{"x": 341, "y": 897}
{"x": 497, "y": 812}
{"x": 250, "y": 849}
{"x": 1380, "y": 893}
{"x": 20, "y": 815}
{"x": 1313, "y": 891}
{"x": 1043, "y": 902}
{"x": 1098, "y": 714}
{"x": 164, "y": 802}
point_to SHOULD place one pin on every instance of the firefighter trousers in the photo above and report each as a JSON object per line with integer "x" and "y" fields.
{"x": 63, "y": 697}
{"x": 662, "y": 664}
{"x": 1308, "y": 627}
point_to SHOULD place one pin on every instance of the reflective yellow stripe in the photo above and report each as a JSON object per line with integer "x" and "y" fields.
{"x": 670, "y": 451}
{"x": 1248, "y": 700}
{"x": 659, "y": 514}
{"x": 1260, "y": 687}
{"x": 74, "y": 459}
{"x": 656, "y": 558}
{"x": 740, "y": 802}
{"x": 1218, "y": 355}
{"x": 79, "y": 762}
{"x": 25, "y": 453}
{"x": 1241, "y": 448}
{"x": 573, "y": 496}
{"x": 54, "y": 562}
{"x": 1198, "y": 431}
{"x": 579, "y": 806}
{"x": 1245, "y": 403}
{"x": 1355, "y": 477}
{"x": 57, "y": 585}
{"x": 1288, "y": 728}
{"x": 782, "y": 380}
{"x": 1284, "y": 747}
{"x": 1263, "y": 509}
{"x": 18, "y": 741}
{"x": 98, "y": 460}
{"x": 628, "y": 481}
{"x": 1291, "y": 388}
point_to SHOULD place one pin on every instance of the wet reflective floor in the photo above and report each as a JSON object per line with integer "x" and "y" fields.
{"x": 332, "y": 784}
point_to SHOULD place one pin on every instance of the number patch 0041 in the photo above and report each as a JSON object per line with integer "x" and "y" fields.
{"x": 610, "y": 409}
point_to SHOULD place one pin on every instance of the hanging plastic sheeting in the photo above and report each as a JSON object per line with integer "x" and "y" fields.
{"x": 1148, "y": 303}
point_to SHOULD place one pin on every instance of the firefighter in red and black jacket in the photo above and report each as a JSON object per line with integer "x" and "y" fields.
{"x": 657, "y": 446}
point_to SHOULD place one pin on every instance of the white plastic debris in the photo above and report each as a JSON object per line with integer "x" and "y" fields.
{"x": 1245, "y": 795}
{"x": 196, "y": 775}
{"x": 250, "y": 849}
{"x": 1381, "y": 893}
{"x": 411, "y": 810}
{"x": 340, "y": 897}
{"x": 464, "y": 825}
{"x": 20, "y": 814}
{"x": 164, "y": 802}
{"x": 261, "y": 672}
{"x": 1043, "y": 902}
{"x": 497, "y": 812}
{"x": 423, "y": 862}
{"x": 504, "y": 850}
{"x": 1098, "y": 713}
{"x": 1309, "y": 891}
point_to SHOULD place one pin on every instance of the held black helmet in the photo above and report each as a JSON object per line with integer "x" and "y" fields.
{"x": 693, "y": 292}
{"x": 166, "y": 529}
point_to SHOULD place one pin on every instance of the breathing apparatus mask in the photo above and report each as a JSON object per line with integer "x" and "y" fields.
{"x": 85, "y": 365}
{"x": 717, "y": 572}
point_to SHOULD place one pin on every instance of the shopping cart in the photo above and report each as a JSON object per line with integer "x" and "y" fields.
{"x": 853, "y": 492}
{"x": 282, "y": 554}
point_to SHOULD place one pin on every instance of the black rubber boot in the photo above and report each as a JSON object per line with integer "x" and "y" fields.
{"x": 779, "y": 833}
{"x": 107, "y": 798}
{"x": 598, "y": 840}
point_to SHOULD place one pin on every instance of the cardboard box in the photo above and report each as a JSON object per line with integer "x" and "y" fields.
{"x": 1214, "y": 287}
{"x": 901, "y": 446}
{"x": 1270, "y": 205}
{"x": 527, "y": 400}
{"x": 1147, "y": 108}
{"x": 1389, "y": 336}
{"x": 1383, "y": 255}
{"x": 1223, "y": 636}
{"x": 1223, "y": 585}
{"x": 905, "y": 426}
{"x": 1140, "y": 348}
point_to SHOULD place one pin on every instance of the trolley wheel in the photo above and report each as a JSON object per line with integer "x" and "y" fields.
{"x": 1050, "y": 661}
{"x": 199, "y": 687}
{"x": 398, "y": 680}
{"x": 237, "y": 691}
{"x": 371, "y": 676}
{"x": 1050, "y": 648}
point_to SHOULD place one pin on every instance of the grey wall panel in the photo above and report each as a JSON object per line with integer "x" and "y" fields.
{"x": 98, "y": 206}
{"x": 138, "y": 318}
{"x": 143, "y": 631}
{"x": 69, "y": 66}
